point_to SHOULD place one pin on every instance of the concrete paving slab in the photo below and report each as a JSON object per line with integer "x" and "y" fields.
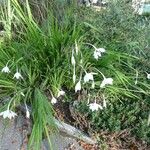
{"x": 13, "y": 136}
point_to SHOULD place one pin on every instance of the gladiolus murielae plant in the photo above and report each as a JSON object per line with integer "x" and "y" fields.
{"x": 51, "y": 60}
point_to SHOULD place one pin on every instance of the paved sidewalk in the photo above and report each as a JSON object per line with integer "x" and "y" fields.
{"x": 13, "y": 136}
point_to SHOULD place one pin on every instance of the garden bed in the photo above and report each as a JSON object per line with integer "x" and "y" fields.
{"x": 87, "y": 68}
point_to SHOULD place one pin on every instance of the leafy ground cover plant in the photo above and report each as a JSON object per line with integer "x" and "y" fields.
{"x": 95, "y": 60}
{"x": 125, "y": 35}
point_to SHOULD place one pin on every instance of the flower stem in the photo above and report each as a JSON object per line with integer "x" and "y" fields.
{"x": 91, "y": 45}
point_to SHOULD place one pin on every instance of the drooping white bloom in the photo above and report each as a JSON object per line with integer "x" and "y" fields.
{"x": 6, "y": 69}
{"x": 60, "y": 93}
{"x": 8, "y": 114}
{"x": 97, "y": 51}
{"x": 53, "y": 100}
{"x": 94, "y": 106}
{"x": 97, "y": 54}
{"x": 140, "y": 11}
{"x": 18, "y": 75}
{"x": 78, "y": 86}
{"x": 27, "y": 114}
{"x": 73, "y": 62}
{"x": 89, "y": 76}
{"x": 148, "y": 75}
{"x": 94, "y": 1}
{"x": 106, "y": 81}
{"x": 74, "y": 77}
{"x": 136, "y": 78}
{"x": 27, "y": 111}
{"x": 76, "y": 47}
{"x": 104, "y": 102}
{"x": 101, "y": 50}
{"x": 22, "y": 94}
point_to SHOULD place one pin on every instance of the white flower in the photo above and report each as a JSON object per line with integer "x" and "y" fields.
{"x": 94, "y": 1}
{"x": 78, "y": 86}
{"x": 8, "y": 114}
{"x": 6, "y": 69}
{"x": 97, "y": 54}
{"x": 104, "y": 103}
{"x": 97, "y": 51}
{"x": 106, "y": 81}
{"x": 53, "y": 100}
{"x": 74, "y": 77}
{"x": 148, "y": 75}
{"x": 101, "y": 50}
{"x": 17, "y": 75}
{"x": 73, "y": 62}
{"x": 27, "y": 112}
{"x": 140, "y": 11}
{"x": 22, "y": 94}
{"x": 60, "y": 93}
{"x": 88, "y": 77}
{"x": 76, "y": 47}
{"x": 94, "y": 106}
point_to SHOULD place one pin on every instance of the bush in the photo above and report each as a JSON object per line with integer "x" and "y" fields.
{"x": 42, "y": 50}
{"x": 125, "y": 34}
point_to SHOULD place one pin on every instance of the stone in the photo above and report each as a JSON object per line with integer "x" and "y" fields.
{"x": 14, "y": 136}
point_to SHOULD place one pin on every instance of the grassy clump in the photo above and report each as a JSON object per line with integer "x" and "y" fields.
{"x": 41, "y": 49}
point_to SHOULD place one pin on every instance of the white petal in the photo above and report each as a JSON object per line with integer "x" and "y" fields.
{"x": 8, "y": 114}
{"x": 102, "y": 84}
{"x": 78, "y": 86}
{"x": 17, "y": 75}
{"x": 73, "y": 62}
{"x": 74, "y": 78}
{"x": 109, "y": 81}
{"x": 94, "y": 106}
{"x": 96, "y": 56}
{"x": 22, "y": 94}
{"x": 6, "y": 69}
{"x": 102, "y": 50}
{"x": 106, "y": 81}
{"x": 76, "y": 48}
{"x": 27, "y": 114}
{"x": 61, "y": 93}
{"x": 53, "y": 100}
{"x": 94, "y": 1}
{"x": 104, "y": 103}
{"x": 13, "y": 114}
{"x": 88, "y": 77}
{"x": 148, "y": 76}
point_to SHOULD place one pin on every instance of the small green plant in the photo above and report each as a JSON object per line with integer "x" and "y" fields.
{"x": 96, "y": 58}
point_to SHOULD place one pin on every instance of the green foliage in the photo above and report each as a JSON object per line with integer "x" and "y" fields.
{"x": 125, "y": 35}
{"x": 42, "y": 48}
